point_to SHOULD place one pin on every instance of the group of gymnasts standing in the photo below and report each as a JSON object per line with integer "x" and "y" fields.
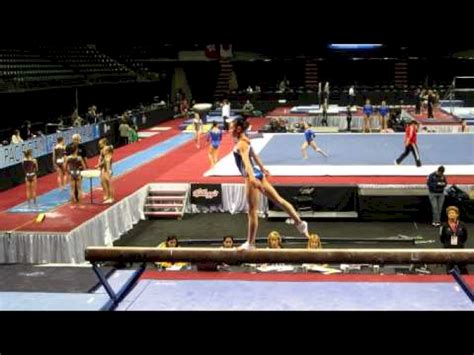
{"x": 69, "y": 162}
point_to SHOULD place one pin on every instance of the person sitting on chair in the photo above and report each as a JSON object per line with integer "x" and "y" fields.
{"x": 171, "y": 242}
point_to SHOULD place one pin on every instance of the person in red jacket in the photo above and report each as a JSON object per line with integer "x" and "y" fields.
{"x": 410, "y": 144}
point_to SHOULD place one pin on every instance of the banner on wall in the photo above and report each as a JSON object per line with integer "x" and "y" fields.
{"x": 212, "y": 51}
{"x": 206, "y": 195}
{"x": 217, "y": 51}
{"x": 13, "y": 154}
{"x": 226, "y": 51}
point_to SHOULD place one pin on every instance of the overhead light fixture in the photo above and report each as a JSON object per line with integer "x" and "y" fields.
{"x": 354, "y": 45}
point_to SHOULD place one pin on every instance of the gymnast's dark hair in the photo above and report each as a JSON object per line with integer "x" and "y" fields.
{"x": 172, "y": 237}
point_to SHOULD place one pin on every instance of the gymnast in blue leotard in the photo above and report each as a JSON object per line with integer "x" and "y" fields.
{"x": 383, "y": 116}
{"x": 309, "y": 136}
{"x": 214, "y": 137}
{"x": 368, "y": 110}
{"x": 239, "y": 161}
{"x": 255, "y": 174}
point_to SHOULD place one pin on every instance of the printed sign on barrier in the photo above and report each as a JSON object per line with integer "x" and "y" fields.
{"x": 13, "y": 154}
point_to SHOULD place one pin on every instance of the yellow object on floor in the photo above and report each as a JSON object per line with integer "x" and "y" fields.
{"x": 205, "y": 128}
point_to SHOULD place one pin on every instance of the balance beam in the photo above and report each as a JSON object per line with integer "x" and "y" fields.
{"x": 296, "y": 256}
